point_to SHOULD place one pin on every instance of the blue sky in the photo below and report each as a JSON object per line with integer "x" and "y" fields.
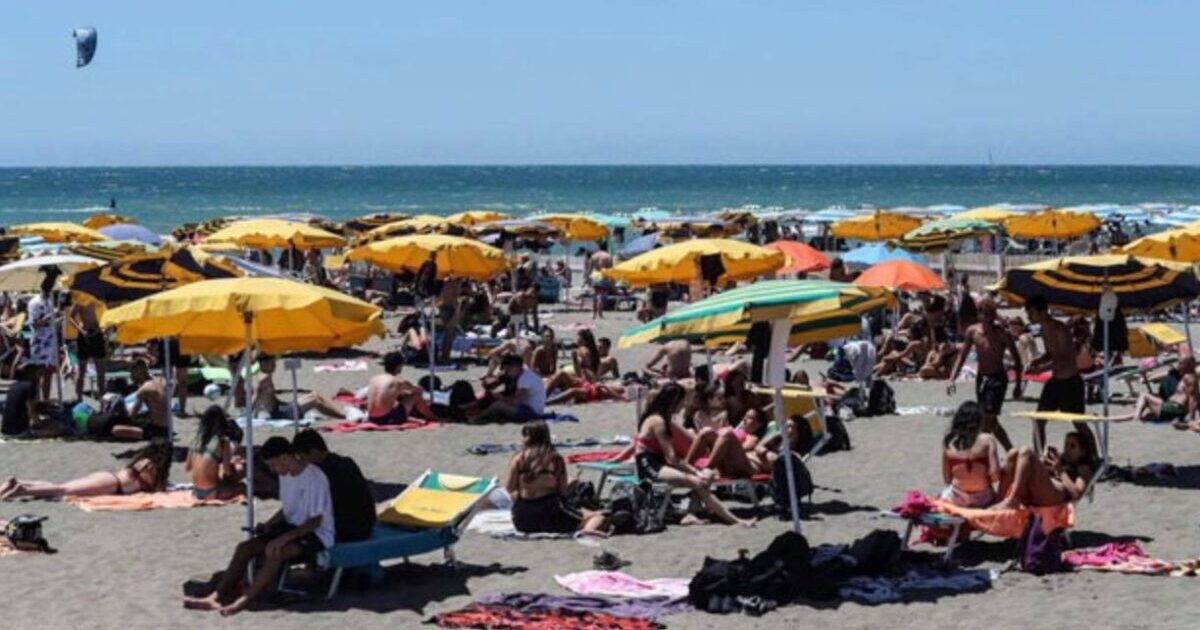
{"x": 468, "y": 82}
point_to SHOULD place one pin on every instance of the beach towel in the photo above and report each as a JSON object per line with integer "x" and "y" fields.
{"x": 504, "y": 617}
{"x": 1011, "y": 523}
{"x": 650, "y": 608}
{"x": 617, "y": 584}
{"x": 499, "y": 525}
{"x": 883, "y": 590}
{"x": 354, "y": 427}
{"x": 594, "y": 456}
{"x": 143, "y": 501}
{"x": 276, "y": 423}
{"x": 1127, "y": 557}
{"x": 925, "y": 410}
{"x": 347, "y": 365}
{"x": 512, "y": 447}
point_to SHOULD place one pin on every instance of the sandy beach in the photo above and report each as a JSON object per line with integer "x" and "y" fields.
{"x": 130, "y": 569}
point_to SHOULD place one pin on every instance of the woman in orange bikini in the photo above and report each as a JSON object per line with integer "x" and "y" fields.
{"x": 970, "y": 460}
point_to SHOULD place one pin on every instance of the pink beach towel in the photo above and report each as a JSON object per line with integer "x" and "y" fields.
{"x": 617, "y": 584}
{"x": 351, "y": 426}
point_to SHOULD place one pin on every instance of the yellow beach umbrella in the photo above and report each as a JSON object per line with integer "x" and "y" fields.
{"x": 104, "y": 219}
{"x": 680, "y": 262}
{"x": 231, "y": 315}
{"x": 475, "y": 217}
{"x": 422, "y": 223}
{"x": 880, "y": 225}
{"x": 456, "y": 256}
{"x": 1051, "y": 224}
{"x": 1181, "y": 245}
{"x": 987, "y": 213}
{"x": 269, "y": 233}
{"x": 227, "y": 315}
{"x": 575, "y": 227}
{"x": 59, "y": 232}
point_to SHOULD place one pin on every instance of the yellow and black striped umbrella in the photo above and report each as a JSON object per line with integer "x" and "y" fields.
{"x": 105, "y": 219}
{"x": 139, "y": 275}
{"x": 108, "y": 251}
{"x": 371, "y": 221}
{"x": 1075, "y": 284}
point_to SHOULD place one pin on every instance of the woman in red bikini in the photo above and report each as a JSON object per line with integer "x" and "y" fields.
{"x": 732, "y": 451}
{"x": 146, "y": 472}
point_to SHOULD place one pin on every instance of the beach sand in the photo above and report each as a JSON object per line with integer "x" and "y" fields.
{"x": 129, "y": 569}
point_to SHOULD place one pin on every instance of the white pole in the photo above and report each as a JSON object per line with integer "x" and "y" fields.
{"x": 247, "y": 358}
{"x": 295, "y": 400}
{"x": 167, "y": 377}
{"x": 780, "y": 330}
{"x": 432, "y": 319}
{"x": 1106, "y": 359}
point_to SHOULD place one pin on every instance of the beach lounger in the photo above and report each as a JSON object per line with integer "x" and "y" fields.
{"x": 429, "y": 515}
{"x": 806, "y": 403}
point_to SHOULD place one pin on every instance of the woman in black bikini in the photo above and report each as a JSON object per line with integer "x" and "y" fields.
{"x": 146, "y": 472}
{"x": 211, "y": 459}
{"x": 1052, "y": 480}
{"x": 537, "y": 482}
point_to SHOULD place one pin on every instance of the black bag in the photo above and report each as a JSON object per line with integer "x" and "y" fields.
{"x": 716, "y": 586}
{"x": 1041, "y": 553}
{"x": 882, "y": 400}
{"x": 779, "y": 483}
{"x": 25, "y": 533}
{"x": 461, "y": 393}
{"x": 839, "y": 437}
{"x": 780, "y": 573}
{"x": 639, "y": 508}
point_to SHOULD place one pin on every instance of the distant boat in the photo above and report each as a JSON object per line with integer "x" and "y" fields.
{"x": 991, "y": 162}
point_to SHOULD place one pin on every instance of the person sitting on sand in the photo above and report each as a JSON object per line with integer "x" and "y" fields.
{"x": 415, "y": 340}
{"x": 147, "y": 471}
{"x": 537, "y": 483}
{"x": 146, "y": 409}
{"x": 938, "y": 361}
{"x": 732, "y": 451}
{"x": 585, "y": 363}
{"x": 22, "y": 410}
{"x": 970, "y": 459}
{"x": 302, "y": 528}
{"x": 702, "y": 409}
{"x": 545, "y": 356}
{"x": 906, "y": 358}
{"x": 1178, "y": 395}
{"x": 211, "y": 460}
{"x": 524, "y": 398}
{"x": 608, "y": 363}
{"x": 391, "y": 399}
{"x": 737, "y": 398}
{"x": 353, "y": 505}
{"x": 266, "y": 399}
{"x": 515, "y": 344}
{"x": 678, "y": 356}
{"x": 655, "y": 458}
{"x": 1026, "y": 480}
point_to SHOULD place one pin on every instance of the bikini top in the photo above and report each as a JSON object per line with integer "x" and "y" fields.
{"x": 955, "y": 460}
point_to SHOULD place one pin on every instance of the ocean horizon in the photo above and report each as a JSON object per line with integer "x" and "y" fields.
{"x": 163, "y": 197}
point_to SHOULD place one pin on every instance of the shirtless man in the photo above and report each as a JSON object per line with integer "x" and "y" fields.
{"x": 678, "y": 354}
{"x": 599, "y": 261}
{"x": 266, "y": 398}
{"x": 1178, "y": 405}
{"x": 608, "y": 363}
{"x": 1064, "y": 391}
{"x": 990, "y": 342}
{"x": 91, "y": 345}
{"x": 147, "y": 407}
{"x": 545, "y": 356}
{"x": 391, "y": 399}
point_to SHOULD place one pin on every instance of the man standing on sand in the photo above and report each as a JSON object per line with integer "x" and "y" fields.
{"x": 599, "y": 261}
{"x": 302, "y": 528}
{"x": 90, "y": 345}
{"x": 1064, "y": 391}
{"x": 678, "y": 354}
{"x": 990, "y": 342}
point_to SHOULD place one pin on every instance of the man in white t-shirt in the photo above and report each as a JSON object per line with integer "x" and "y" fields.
{"x": 302, "y": 528}
{"x": 523, "y": 400}
{"x": 43, "y": 346}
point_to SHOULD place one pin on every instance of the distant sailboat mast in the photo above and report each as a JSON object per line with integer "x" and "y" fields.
{"x": 990, "y": 161}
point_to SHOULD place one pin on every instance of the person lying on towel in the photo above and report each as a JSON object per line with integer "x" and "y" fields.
{"x": 146, "y": 472}
{"x": 1055, "y": 479}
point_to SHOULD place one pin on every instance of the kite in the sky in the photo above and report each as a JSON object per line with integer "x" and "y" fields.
{"x": 85, "y": 45}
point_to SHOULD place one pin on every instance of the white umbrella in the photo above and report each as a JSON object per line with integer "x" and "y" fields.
{"x": 26, "y": 274}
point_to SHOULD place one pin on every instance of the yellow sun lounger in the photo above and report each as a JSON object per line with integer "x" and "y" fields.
{"x": 805, "y": 403}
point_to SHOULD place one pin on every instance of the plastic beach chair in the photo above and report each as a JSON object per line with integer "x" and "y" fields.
{"x": 429, "y": 515}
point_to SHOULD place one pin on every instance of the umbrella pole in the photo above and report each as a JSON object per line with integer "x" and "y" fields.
{"x": 780, "y": 330}
{"x": 432, "y": 321}
{"x": 249, "y": 432}
{"x": 295, "y": 398}
{"x": 1187, "y": 323}
{"x": 168, "y": 382}
{"x": 1106, "y": 368}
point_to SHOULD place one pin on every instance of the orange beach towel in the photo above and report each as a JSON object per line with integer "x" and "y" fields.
{"x": 143, "y": 501}
{"x": 1011, "y": 523}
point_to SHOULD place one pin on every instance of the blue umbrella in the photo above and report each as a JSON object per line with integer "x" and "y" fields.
{"x": 639, "y": 245}
{"x": 868, "y": 255}
{"x": 131, "y": 232}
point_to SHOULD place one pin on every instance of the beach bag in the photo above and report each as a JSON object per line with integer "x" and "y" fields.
{"x": 839, "y": 437}
{"x": 643, "y": 508}
{"x": 25, "y": 533}
{"x": 779, "y": 483}
{"x": 882, "y": 399}
{"x": 841, "y": 370}
{"x": 782, "y": 572}
{"x": 1041, "y": 553}
{"x": 716, "y": 586}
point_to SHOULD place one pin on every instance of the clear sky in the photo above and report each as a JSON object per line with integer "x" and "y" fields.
{"x": 600, "y": 81}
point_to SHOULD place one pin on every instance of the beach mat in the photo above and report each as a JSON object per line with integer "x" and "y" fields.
{"x": 355, "y": 427}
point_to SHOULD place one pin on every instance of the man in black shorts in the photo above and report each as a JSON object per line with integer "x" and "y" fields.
{"x": 180, "y": 363}
{"x": 303, "y": 527}
{"x": 1065, "y": 390}
{"x": 90, "y": 345}
{"x": 990, "y": 342}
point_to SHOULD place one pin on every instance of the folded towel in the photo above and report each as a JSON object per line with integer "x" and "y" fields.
{"x": 143, "y": 501}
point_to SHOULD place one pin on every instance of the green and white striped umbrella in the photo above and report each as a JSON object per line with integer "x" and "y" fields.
{"x": 818, "y": 309}
{"x": 939, "y": 235}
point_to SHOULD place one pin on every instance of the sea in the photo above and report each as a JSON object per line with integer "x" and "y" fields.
{"x": 162, "y": 198}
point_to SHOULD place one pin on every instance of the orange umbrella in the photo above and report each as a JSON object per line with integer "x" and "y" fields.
{"x": 900, "y": 275}
{"x": 800, "y": 257}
